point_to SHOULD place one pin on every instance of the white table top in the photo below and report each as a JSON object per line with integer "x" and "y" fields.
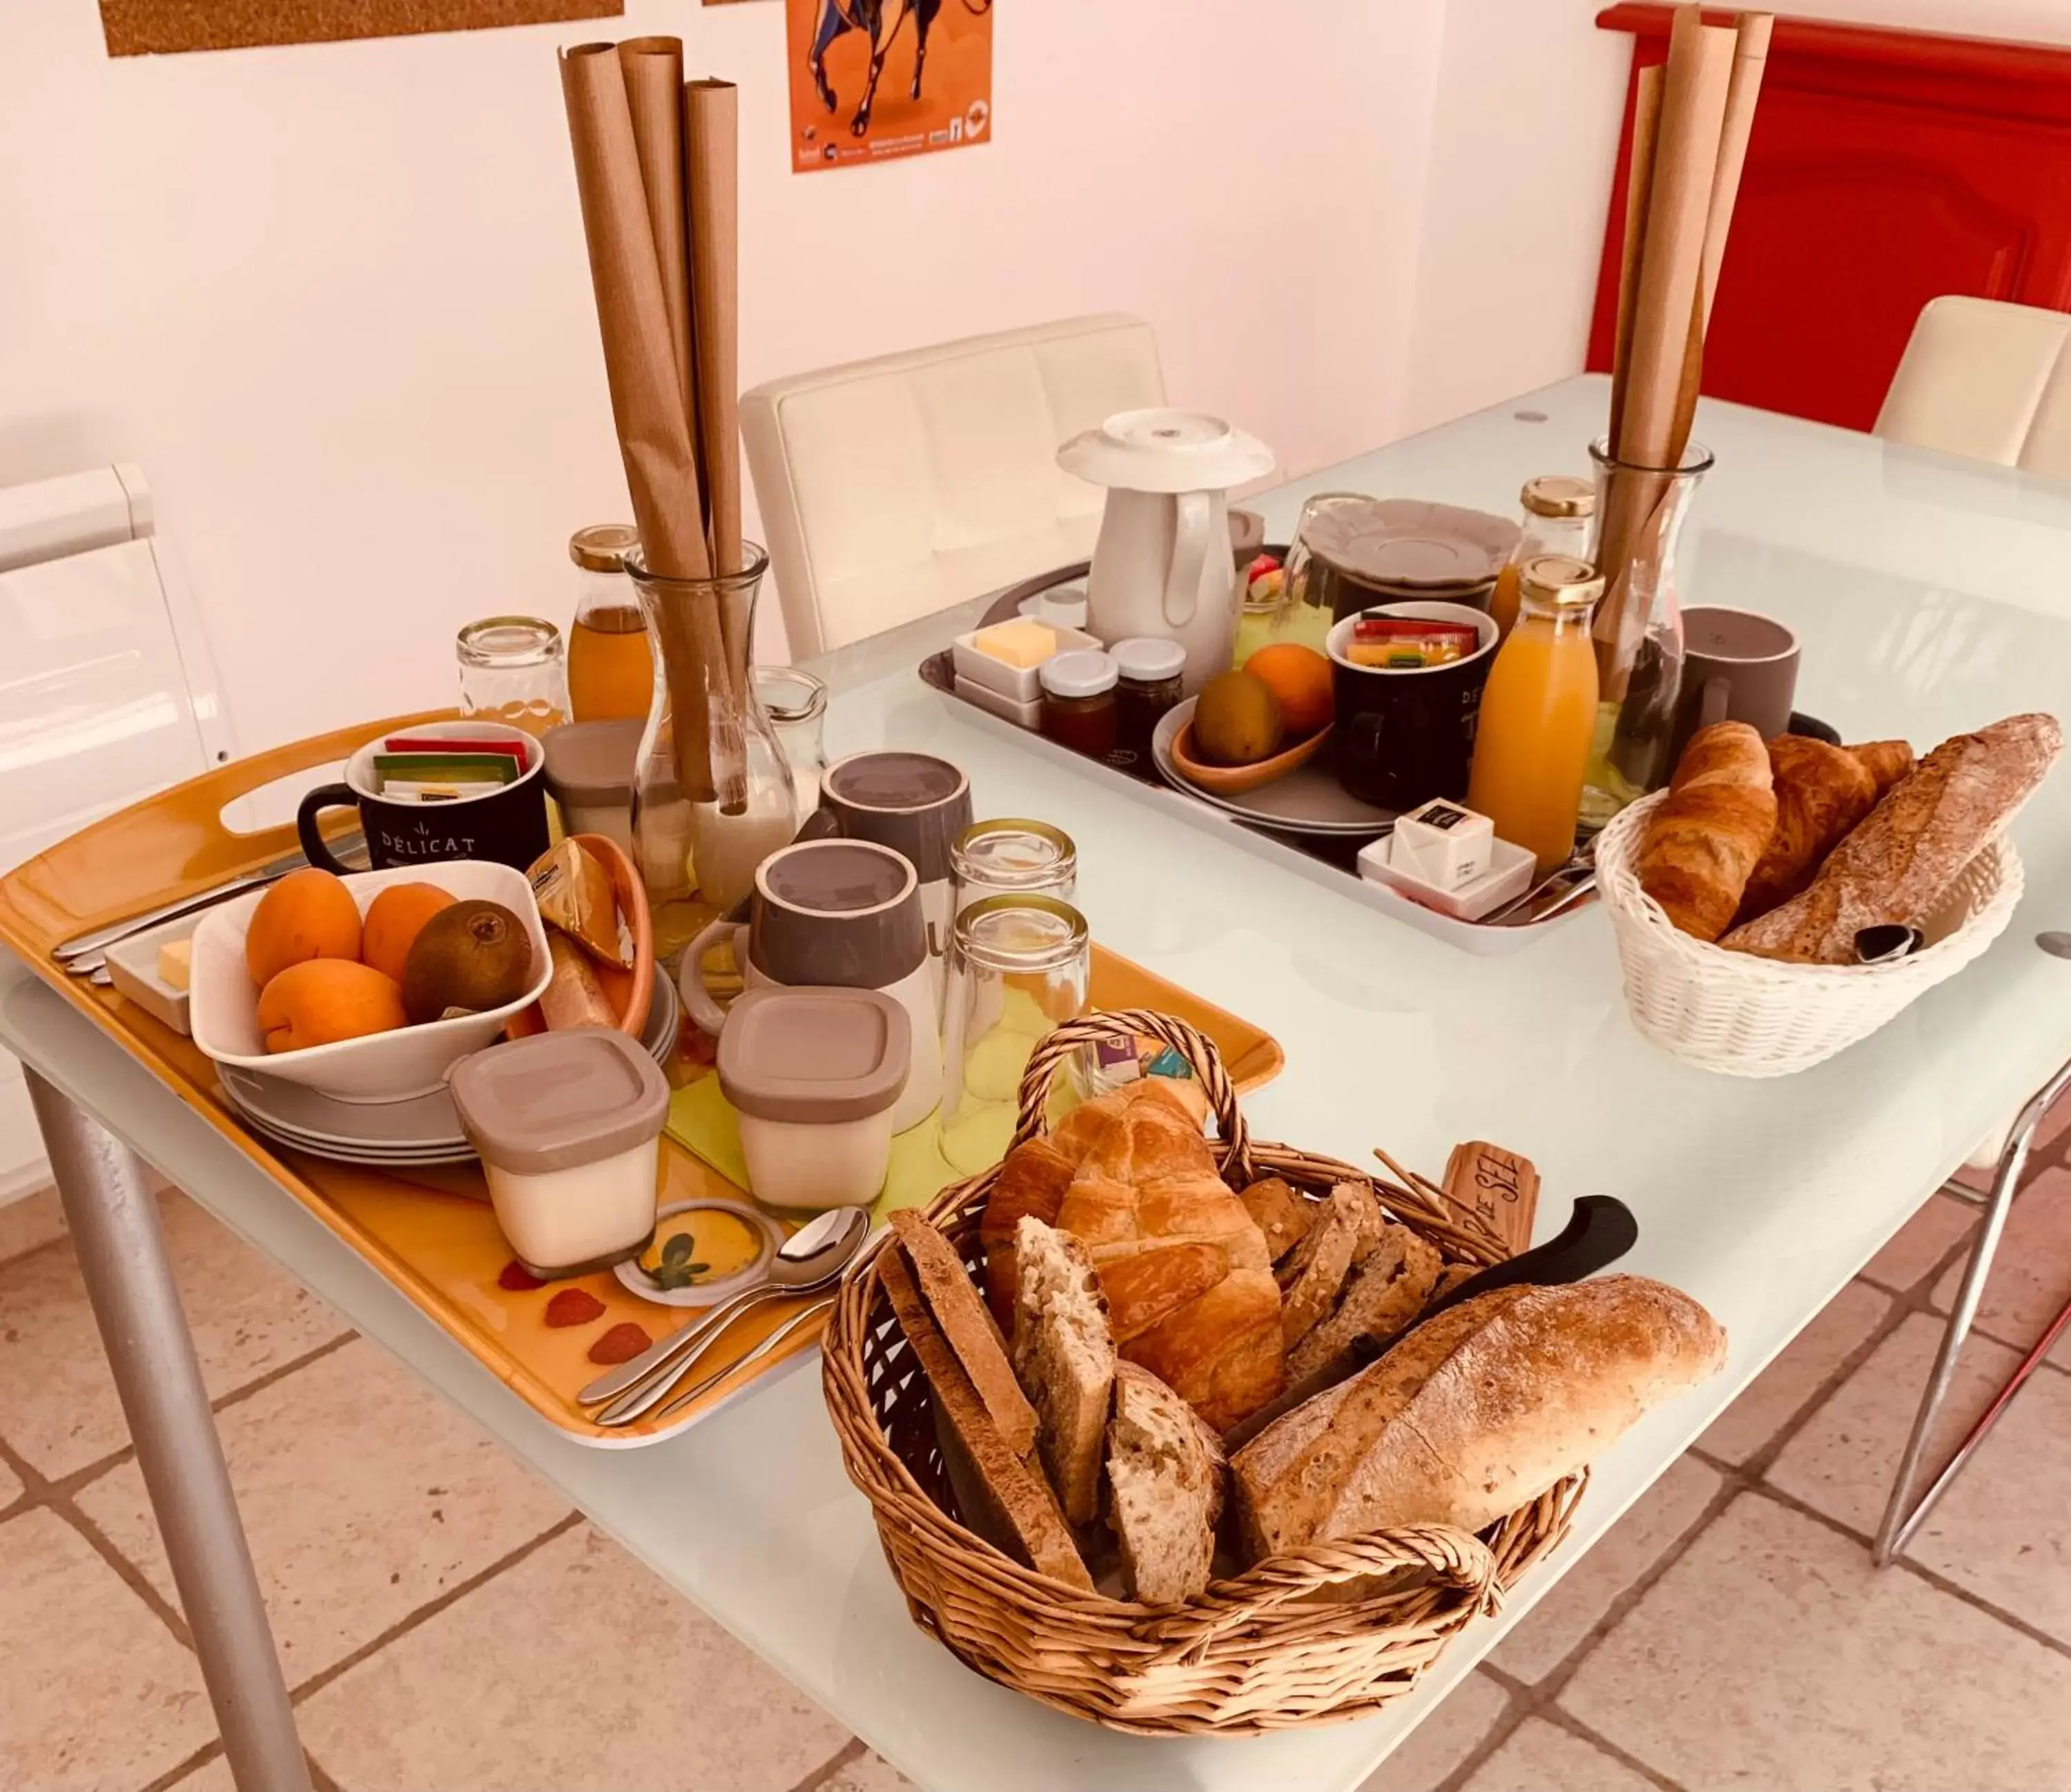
{"x": 1930, "y": 595}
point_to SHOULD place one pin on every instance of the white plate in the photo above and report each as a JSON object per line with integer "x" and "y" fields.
{"x": 381, "y": 1067}
{"x": 1309, "y": 800}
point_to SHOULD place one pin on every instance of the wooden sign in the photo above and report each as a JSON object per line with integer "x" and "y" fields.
{"x": 1499, "y": 1187}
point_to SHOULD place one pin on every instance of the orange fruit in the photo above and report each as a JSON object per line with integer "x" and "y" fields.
{"x": 322, "y": 1001}
{"x": 393, "y": 921}
{"x": 309, "y": 914}
{"x": 1300, "y": 677}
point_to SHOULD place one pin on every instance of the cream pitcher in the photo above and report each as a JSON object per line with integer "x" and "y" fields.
{"x": 1163, "y": 565}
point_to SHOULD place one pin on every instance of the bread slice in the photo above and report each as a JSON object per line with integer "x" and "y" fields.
{"x": 1164, "y": 1470}
{"x": 1283, "y": 1216}
{"x": 1314, "y": 1276}
{"x": 1032, "y": 1180}
{"x": 1383, "y": 1296}
{"x": 1477, "y": 1411}
{"x": 1064, "y": 1357}
{"x": 946, "y": 1287}
{"x": 1000, "y": 1493}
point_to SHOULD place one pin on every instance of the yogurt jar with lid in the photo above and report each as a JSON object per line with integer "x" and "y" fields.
{"x": 813, "y": 1072}
{"x": 568, "y": 1127}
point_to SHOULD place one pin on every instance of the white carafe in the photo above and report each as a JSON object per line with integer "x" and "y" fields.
{"x": 1162, "y": 564}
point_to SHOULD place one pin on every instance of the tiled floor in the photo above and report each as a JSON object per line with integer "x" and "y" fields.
{"x": 429, "y": 1595}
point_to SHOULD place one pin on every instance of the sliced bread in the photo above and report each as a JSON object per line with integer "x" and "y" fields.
{"x": 1314, "y": 1274}
{"x": 964, "y": 1321}
{"x": 1282, "y": 1214}
{"x": 1383, "y": 1296}
{"x": 1164, "y": 1470}
{"x": 1000, "y": 1493}
{"x": 1064, "y": 1354}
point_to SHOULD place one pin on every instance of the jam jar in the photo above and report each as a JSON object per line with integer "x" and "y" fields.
{"x": 1079, "y": 708}
{"x": 1147, "y": 672}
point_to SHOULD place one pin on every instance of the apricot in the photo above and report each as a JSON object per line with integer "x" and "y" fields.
{"x": 1300, "y": 677}
{"x": 394, "y": 919}
{"x": 322, "y": 1001}
{"x": 309, "y": 914}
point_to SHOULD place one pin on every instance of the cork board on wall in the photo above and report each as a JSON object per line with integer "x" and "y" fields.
{"x": 163, "y": 27}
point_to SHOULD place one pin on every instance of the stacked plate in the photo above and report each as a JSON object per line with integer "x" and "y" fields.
{"x": 391, "y": 1135}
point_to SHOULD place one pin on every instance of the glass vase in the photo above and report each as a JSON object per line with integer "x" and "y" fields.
{"x": 1640, "y": 514}
{"x": 713, "y": 791}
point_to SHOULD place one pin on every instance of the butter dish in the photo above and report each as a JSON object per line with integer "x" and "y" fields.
{"x": 1017, "y": 684}
{"x": 132, "y": 967}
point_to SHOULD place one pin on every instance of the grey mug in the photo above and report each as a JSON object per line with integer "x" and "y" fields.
{"x": 1738, "y": 665}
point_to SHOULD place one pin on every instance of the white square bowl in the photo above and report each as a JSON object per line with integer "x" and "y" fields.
{"x": 1509, "y": 875}
{"x": 133, "y": 968}
{"x": 1019, "y": 684}
{"x": 394, "y": 1066}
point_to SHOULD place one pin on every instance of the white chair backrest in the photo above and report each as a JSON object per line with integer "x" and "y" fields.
{"x": 893, "y": 488}
{"x": 1988, "y": 380}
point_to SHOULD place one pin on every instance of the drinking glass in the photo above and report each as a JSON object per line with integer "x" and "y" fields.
{"x": 1013, "y": 856}
{"x": 513, "y": 669}
{"x": 1304, "y": 611}
{"x": 1019, "y": 967}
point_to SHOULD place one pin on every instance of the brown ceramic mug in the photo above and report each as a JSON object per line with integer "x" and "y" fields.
{"x": 845, "y": 913}
{"x": 1738, "y": 665}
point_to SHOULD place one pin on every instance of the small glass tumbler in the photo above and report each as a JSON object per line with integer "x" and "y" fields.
{"x": 1019, "y": 967}
{"x": 513, "y": 668}
{"x": 1013, "y": 856}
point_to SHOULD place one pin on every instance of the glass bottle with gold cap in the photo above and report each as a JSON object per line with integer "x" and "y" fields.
{"x": 1539, "y": 711}
{"x": 611, "y": 671}
{"x": 1559, "y": 513}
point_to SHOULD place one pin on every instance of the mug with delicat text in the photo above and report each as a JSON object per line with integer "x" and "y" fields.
{"x": 1738, "y": 665}
{"x": 839, "y": 912}
{"x": 506, "y": 823}
{"x": 1406, "y": 734}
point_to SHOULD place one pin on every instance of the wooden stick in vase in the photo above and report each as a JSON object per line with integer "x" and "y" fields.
{"x": 653, "y": 68}
{"x": 711, "y": 135}
{"x": 1639, "y": 177}
{"x": 1743, "y": 91}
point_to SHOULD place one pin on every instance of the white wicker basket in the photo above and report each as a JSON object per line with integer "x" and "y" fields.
{"x": 1745, "y": 1016}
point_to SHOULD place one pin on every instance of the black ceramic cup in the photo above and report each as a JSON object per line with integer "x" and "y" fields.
{"x": 1406, "y": 736}
{"x": 508, "y": 824}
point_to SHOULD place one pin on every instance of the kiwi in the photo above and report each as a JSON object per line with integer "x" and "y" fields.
{"x": 472, "y": 956}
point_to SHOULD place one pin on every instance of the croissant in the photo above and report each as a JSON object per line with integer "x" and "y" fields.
{"x": 1821, "y": 793}
{"x": 1705, "y": 840}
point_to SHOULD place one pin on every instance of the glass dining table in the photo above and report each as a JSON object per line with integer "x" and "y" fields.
{"x": 1929, "y": 595}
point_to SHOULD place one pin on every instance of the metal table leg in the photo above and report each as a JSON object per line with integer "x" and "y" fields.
{"x": 1900, "y": 1523}
{"x": 122, "y": 1253}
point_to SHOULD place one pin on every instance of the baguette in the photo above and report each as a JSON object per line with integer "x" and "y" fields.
{"x": 573, "y": 997}
{"x": 1702, "y": 842}
{"x": 999, "y": 1494}
{"x": 1165, "y": 1470}
{"x": 1897, "y": 866}
{"x": 1474, "y": 1413}
{"x": 963, "y": 1320}
{"x": 1064, "y": 1357}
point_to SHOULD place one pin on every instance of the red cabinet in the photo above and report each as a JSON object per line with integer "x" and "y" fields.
{"x": 1884, "y": 168}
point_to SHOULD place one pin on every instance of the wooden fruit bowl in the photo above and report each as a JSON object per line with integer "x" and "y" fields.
{"x": 1234, "y": 780}
{"x": 630, "y": 992}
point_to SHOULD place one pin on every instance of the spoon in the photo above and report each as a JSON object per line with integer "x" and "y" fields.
{"x": 1882, "y": 946}
{"x": 813, "y": 1257}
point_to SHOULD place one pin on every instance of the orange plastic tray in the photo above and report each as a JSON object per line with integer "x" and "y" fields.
{"x": 431, "y": 1232}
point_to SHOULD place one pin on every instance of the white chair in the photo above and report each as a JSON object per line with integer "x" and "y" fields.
{"x": 1988, "y": 380}
{"x": 107, "y": 692}
{"x": 893, "y": 488}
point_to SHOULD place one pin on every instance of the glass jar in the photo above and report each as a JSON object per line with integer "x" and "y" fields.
{"x": 1640, "y": 514}
{"x": 513, "y": 669}
{"x": 1148, "y": 673}
{"x": 796, "y": 704}
{"x": 1559, "y": 517}
{"x": 1079, "y": 706}
{"x": 1013, "y": 857}
{"x": 1019, "y": 965}
{"x": 713, "y": 793}
{"x": 611, "y": 667}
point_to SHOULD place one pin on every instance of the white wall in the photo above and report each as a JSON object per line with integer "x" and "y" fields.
{"x": 333, "y": 297}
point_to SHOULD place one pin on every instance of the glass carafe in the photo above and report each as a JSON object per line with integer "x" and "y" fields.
{"x": 796, "y": 704}
{"x": 713, "y": 794}
{"x": 1640, "y": 512}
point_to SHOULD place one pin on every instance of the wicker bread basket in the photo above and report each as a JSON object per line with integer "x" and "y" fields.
{"x": 1257, "y": 1652}
{"x": 1745, "y": 1016}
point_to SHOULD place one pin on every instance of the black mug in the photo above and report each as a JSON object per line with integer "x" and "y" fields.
{"x": 507, "y": 823}
{"x": 1406, "y": 736}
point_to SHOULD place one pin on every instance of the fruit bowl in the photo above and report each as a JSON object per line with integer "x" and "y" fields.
{"x": 394, "y": 1066}
{"x": 1234, "y": 780}
{"x": 630, "y": 993}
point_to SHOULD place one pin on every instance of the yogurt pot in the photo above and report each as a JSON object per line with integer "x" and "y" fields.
{"x": 814, "y": 1073}
{"x": 568, "y": 1127}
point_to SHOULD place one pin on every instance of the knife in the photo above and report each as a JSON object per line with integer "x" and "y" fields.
{"x": 1560, "y": 890}
{"x": 68, "y": 952}
{"x": 1600, "y": 1231}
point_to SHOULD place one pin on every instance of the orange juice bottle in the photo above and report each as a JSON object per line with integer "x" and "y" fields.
{"x": 1539, "y": 711}
{"x": 1558, "y": 514}
{"x": 611, "y": 668}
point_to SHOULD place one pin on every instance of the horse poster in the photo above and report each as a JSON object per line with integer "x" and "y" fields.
{"x": 872, "y": 80}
